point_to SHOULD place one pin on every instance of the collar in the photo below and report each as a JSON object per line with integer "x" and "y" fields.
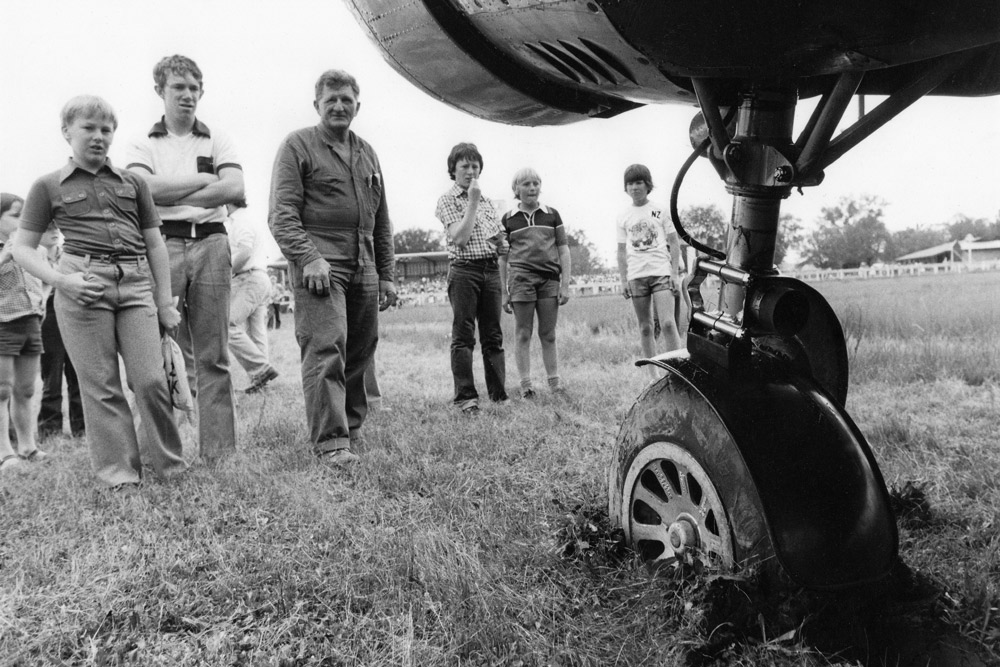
{"x": 71, "y": 167}
{"x": 159, "y": 128}
{"x": 456, "y": 191}
{"x": 541, "y": 207}
{"x": 327, "y": 138}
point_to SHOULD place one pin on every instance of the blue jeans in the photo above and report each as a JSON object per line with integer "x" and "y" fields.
{"x": 476, "y": 295}
{"x": 200, "y": 276}
{"x": 337, "y": 335}
{"x": 123, "y": 321}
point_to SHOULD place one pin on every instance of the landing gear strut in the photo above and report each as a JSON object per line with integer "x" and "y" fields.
{"x": 743, "y": 453}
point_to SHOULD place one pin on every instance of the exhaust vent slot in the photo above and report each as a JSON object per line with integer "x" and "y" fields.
{"x": 570, "y": 61}
{"x": 555, "y": 63}
{"x": 610, "y": 59}
{"x": 594, "y": 64}
{"x": 590, "y": 61}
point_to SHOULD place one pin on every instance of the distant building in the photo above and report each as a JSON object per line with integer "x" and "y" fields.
{"x": 966, "y": 250}
{"x": 409, "y": 266}
{"x": 421, "y": 265}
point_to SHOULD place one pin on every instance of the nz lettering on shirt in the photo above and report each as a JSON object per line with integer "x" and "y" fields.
{"x": 646, "y": 234}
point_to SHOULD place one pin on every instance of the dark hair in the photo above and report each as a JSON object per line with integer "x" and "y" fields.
{"x": 7, "y": 201}
{"x": 463, "y": 151}
{"x": 638, "y": 172}
{"x": 179, "y": 65}
{"x": 335, "y": 78}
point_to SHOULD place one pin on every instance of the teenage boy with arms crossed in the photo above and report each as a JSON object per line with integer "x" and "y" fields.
{"x": 193, "y": 172}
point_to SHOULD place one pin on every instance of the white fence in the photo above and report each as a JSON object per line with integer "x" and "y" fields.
{"x": 893, "y": 270}
{"x": 602, "y": 287}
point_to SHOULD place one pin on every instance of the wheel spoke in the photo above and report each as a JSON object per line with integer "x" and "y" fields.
{"x": 657, "y": 533}
{"x": 665, "y": 483}
{"x": 655, "y": 503}
{"x": 685, "y": 487}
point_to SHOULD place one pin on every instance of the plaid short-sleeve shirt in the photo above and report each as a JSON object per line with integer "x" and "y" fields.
{"x": 487, "y": 240}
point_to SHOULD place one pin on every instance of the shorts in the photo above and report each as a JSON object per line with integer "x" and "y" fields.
{"x": 528, "y": 286}
{"x": 648, "y": 284}
{"x": 22, "y": 336}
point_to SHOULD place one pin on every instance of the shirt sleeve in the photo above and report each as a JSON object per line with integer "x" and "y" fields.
{"x": 561, "y": 239}
{"x": 224, "y": 152}
{"x": 385, "y": 259}
{"x": 148, "y": 216}
{"x": 139, "y": 153}
{"x": 36, "y": 215}
{"x": 284, "y": 216}
{"x": 447, "y": 211}
{"x": 620, "y": 232}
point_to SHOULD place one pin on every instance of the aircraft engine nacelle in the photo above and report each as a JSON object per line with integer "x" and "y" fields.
{"x": 550, "y": 62}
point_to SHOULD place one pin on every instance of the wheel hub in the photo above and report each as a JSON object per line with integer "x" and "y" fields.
{"x": 683, "y": 535}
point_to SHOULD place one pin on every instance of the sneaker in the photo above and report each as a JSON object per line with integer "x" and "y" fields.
{"x": 340, "y": 458}
{"x": 260, "y": 380}
{"x": 528, "y": 393}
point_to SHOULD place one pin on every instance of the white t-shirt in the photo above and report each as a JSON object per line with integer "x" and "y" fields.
{"x": 648, "y": 236}
{"x": 165, "y": 154}
{"x": 244, "y": 233}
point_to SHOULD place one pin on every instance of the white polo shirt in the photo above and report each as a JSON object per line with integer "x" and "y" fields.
{"x": 165, "y": 154}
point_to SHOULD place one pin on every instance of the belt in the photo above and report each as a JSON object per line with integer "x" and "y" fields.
{"x": 110, "y": 258}
{"x": 482, "y": 261}
{"x": 186, "y": 229}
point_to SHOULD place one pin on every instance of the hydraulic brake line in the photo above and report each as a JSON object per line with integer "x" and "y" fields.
{"x": 674, "y": 215}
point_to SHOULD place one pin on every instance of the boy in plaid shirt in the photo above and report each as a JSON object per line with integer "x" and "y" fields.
{"x": 475, "y": 239}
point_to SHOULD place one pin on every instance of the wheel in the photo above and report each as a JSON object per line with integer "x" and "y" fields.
{"x": 674, "y": 509}
{"x": 764, "y": 469}
{"x": 677, "y": 485}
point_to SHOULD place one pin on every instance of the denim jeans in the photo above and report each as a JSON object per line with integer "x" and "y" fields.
{"x": 337, "y": 335}
{"x": 475, "y": 294}
{"x": 248, "y": 306}
{"x": 200, "y": 276}
{"x": 122, "y": 321}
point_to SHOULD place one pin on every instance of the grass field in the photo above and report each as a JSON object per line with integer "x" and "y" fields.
{"x": 485, "y": 541}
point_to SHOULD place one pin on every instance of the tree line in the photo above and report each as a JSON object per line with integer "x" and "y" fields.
{"x": 847, "y": 235}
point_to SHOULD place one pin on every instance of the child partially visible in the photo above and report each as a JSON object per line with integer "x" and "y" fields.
{"x": 112, "y": 293}
{"x": 22, "y": 306}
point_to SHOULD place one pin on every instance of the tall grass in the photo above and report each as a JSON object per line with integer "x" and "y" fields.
{"x": 478, "y": 541}
{"x": 922, "y": 328}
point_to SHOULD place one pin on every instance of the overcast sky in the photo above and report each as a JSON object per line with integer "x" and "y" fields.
{"x": 261, "y": 59}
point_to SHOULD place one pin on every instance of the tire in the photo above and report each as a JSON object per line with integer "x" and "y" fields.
{"x": 678, "y": 486}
